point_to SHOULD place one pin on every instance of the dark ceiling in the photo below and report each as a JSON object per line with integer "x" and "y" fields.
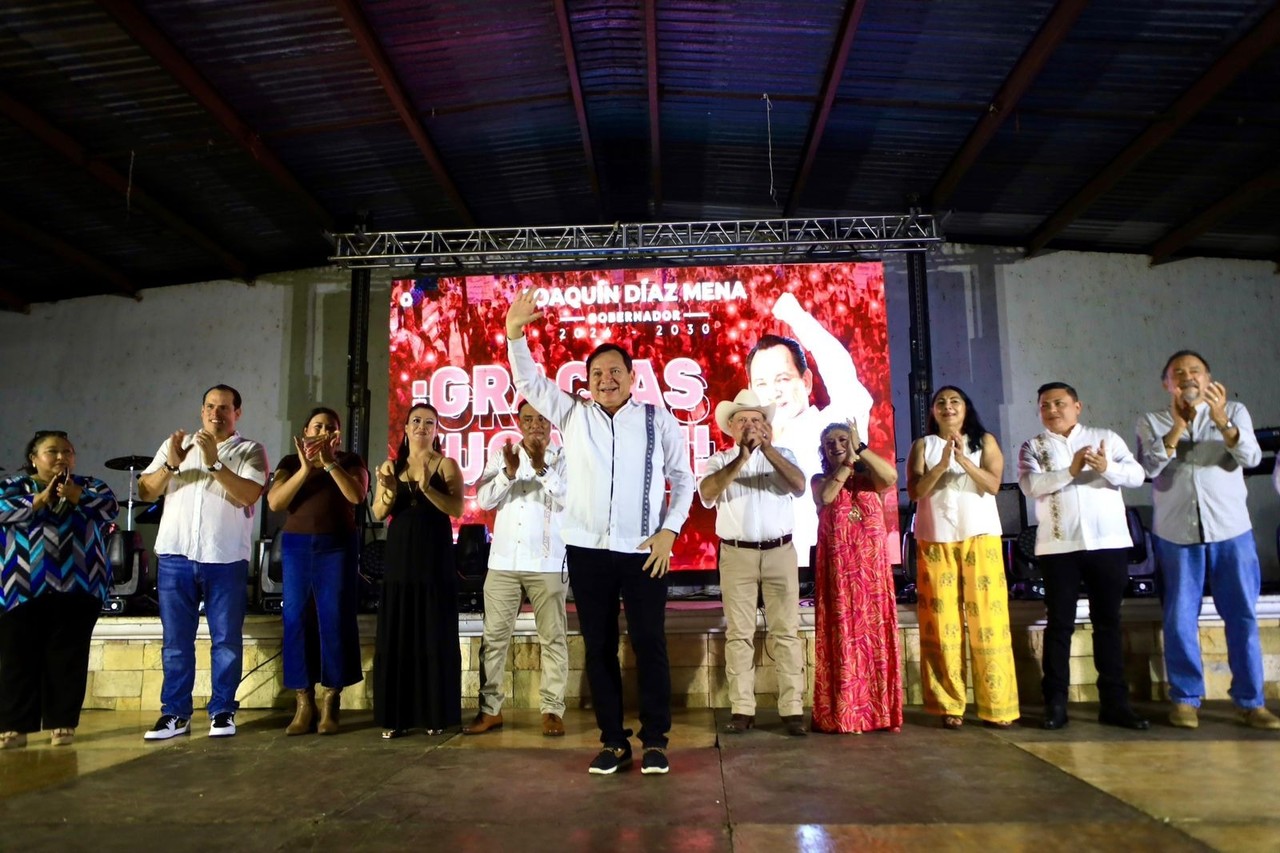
{"x": 174, "y": 141}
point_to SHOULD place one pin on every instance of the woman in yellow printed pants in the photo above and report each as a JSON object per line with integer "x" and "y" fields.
{"x": 953, "y": 474}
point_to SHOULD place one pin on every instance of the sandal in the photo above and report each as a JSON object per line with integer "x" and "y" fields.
{"x": 12, "y": 740}
{"x": 951, "y": 721}
{"x": 390, "y": 734}
{"x": 62, "y": 737}
{"x": 998, "y": 724}
{"x": 434, "y": 732}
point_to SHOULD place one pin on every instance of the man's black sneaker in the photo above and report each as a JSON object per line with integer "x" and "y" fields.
{"x": 223, "y": 724}
{"x": 654, "y": 761}
{"x": 611, "y": 760}
{"x": 169, "y": 725}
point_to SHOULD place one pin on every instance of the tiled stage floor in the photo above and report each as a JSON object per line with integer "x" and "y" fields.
{"x": 1085, "y": 788}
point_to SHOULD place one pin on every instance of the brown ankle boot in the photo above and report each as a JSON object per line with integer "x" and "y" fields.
{"x": 330, "y": 701}
{"x": 304, "y": 718}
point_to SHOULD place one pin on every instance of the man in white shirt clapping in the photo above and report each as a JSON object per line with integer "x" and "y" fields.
{"x": 752, "y": 486}
{"x": 619, "y": 528}
{"x": 1075, "y": 473}
{"x": 525, "y": 483}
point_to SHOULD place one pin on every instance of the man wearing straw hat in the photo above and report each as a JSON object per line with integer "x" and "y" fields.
{"x": 751, "y": 486}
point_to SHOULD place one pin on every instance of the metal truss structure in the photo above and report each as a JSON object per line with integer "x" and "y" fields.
{"x": 495, "y": 250}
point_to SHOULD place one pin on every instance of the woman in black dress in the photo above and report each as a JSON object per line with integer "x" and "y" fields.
{"x": 417, "y": 680}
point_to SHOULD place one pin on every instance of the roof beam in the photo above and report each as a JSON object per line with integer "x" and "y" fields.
{"x": 68, "y": 252}
{"x": 140, "y": 28}
{"x": 579, "y": 105}
{"x": 369, "y": 45}
{"x": 1021, "y": 76}
{"x": 75, "y": 153}
{"x": 1234, "y": 60}
{"x": 826, "y": 98}
{"x": 1247, "y": 192}
{"x": 655, "y": 126}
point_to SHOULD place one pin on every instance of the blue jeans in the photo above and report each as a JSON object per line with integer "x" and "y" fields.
{"x": 1235, "y": 578}
{"x": 181, "y": 584}
{"x": 320, "y": 568}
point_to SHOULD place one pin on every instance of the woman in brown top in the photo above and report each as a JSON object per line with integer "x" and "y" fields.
{"x": 320, "y": 487}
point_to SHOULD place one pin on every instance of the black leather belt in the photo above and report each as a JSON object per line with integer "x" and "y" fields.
{"x": 767, "y": 545}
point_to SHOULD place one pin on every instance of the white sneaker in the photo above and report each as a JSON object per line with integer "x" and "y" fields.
{"x": 169, "y": 725}
{"x": 223, "y": 724}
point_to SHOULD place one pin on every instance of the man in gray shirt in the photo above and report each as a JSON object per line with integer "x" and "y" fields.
{"x": 1195, "y": 452}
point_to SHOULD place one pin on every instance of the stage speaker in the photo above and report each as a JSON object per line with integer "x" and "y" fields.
{"x": 269, "y": 570}
{"x": 471, "y": 557}
{"x": 127, "y": 558}
{"x": 1142, "y": 560}
{"x": 1013, "y": 510}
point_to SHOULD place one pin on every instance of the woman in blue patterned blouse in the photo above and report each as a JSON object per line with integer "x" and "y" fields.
{"x": 53, "y": 581}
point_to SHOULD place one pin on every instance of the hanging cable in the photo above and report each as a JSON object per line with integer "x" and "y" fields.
{"x": 768, "y": 118}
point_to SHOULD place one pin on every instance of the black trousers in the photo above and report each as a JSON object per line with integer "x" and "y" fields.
{"x": 598, "y": 579}
{"x": 44, "y": 660}
{"x": 1105, "y": 574}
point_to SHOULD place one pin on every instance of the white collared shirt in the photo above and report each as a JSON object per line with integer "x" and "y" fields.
{"x": 1199, "y": 494}
{"x": 526, "y": 531}
{"x": 606, "y": 503}
{"x": 1082, "y": 513}
{"x": 757, "y": 505}
{"x": 199, "y": 521}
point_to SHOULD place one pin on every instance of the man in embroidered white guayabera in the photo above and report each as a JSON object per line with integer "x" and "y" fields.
{"x": 619, "y": 528}
{"x": 1074, "y": 473}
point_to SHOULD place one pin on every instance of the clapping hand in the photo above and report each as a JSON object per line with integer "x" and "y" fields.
{"x": 66, "y": 488}
{"x": 208, "y": 446}
{"x": 511, "y": 456}
{"x": 176, "y": 452}
{"x": 854, "y": 438}
{"x": 387, "y": 475}
{"x": 326, "y": 447}
{"x": 1096, "y": 459}
{"x": 950, "y": 449}
{"x": 1180, "y": 410}
{"x": 1216, "y": 396}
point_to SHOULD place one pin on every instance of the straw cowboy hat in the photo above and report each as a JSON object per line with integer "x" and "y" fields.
{"x": 745, "y": 401}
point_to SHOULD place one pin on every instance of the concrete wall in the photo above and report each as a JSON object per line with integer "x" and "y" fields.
{"x": 121, "y": 375}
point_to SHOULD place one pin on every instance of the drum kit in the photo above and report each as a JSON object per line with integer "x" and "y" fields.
{"x": 131, "y": 579}
{"x": 150, "y": 509}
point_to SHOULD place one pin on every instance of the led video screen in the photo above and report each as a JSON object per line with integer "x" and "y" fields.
{"x": 691, "y": 331}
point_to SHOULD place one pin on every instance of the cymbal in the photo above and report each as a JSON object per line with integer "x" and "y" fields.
{"x": 125, "y": 463}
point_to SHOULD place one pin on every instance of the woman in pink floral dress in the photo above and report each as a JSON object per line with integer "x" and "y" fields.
{"x": 857, "y": 686}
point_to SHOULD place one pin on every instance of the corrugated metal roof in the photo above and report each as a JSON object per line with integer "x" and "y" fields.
{"x": 110, "y": 145}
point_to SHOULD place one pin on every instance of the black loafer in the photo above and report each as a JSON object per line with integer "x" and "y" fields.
{"x": 1124, "y": 718}
{"x": 1055, "y": 717}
